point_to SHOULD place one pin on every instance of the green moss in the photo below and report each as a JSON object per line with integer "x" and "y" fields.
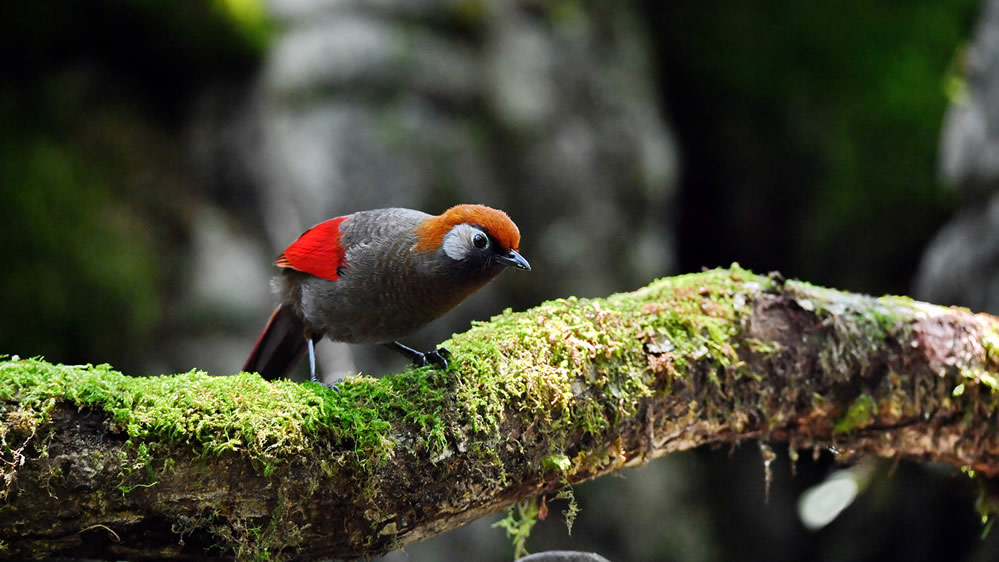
{"x": 137, "y": 469}
{"x": 569, "y": 369}
{"x": 560, "y": 463}
{"x": 865, "y": 317}
{"x": 575, "y": 365}
{"x": 269, "y": 421}
{"x": 861, "y": 412}
{"x": 985, "y": 375}
{"x": 518, "y": 523}
{"x": 990, "y": 342}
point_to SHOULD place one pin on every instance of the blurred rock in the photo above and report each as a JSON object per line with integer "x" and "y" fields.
{"x": 222, "y": 285}
{"x": 548, "y": 112}
{"x": 961, "y": 265}
{"x": 969, "y": 143}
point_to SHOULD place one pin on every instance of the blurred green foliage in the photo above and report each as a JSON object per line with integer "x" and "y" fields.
{"x": 810, "y": 132}
{"x": 92, "y": 181}
{"x": 79, "y": 274}
{"x": 249, "y": 17}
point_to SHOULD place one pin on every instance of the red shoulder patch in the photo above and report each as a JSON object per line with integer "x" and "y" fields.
{"x": 317, "y": 251}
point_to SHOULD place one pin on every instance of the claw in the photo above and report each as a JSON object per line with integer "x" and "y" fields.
{"x": 437, "y": 357}
{"x": 335, "y": 385}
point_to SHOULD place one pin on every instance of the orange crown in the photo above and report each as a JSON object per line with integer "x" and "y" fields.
{"x": 497, "y": 223}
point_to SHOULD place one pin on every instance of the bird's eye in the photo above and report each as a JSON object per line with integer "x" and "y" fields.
{"x": 480, "y": 240}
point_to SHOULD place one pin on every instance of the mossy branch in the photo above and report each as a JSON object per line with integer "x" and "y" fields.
{"x": 99, "y": 464}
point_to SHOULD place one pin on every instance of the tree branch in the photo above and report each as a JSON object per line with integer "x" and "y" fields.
{"x": 98, "y": 464}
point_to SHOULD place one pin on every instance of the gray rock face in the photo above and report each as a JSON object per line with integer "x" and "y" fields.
{"x": 961, "y": 265}
{"x": 969, "y": 144}
{"x": 547, "y": 113}
{"x": 423, "y": 104}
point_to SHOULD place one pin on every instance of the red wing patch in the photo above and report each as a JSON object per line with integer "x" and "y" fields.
{"x": 317, "y": 251}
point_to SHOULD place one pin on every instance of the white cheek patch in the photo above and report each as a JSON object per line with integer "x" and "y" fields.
{"x": 458, "y": 242}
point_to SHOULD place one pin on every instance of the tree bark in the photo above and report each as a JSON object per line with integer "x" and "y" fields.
{"x": 98, "y": 464}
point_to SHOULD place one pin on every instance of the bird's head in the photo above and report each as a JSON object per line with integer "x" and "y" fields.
{"x": 475, "y": 237}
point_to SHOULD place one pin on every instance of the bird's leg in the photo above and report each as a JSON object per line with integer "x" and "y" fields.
{"x": 312, "y": 361}
{"x": 436, "y": 357}
{"x": 313, "y": 372}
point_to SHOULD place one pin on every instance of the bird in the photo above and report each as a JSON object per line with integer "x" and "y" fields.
{"x": 372, "y": 277}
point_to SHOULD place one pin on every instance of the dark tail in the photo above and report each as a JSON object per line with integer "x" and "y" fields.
{"x": 280, "y": 347}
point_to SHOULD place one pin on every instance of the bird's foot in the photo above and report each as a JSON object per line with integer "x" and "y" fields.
{"x": 335, "y": 385}
{"x": 437, "y": 357}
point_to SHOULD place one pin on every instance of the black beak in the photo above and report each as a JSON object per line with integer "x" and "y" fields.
{"x": 513, "y": 259}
